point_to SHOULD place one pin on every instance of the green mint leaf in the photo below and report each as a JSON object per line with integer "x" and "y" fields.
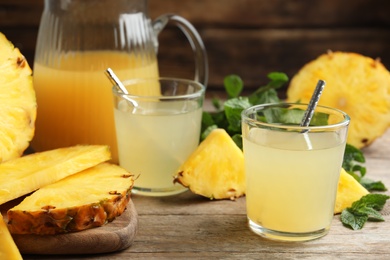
{"x": 354, "y": 221}
{"x": 233, "y": 108}
{"x": 353, "y": 161}
{"x": 372, "y": 213}
{"x": 233, "y": 85}
{"x": 264, "y": 97}
{"x": 372, "y": 185}
{"x": 375, "y": 201}
{"x": 207, "y": 120}
{"x": 278, "y": 79}
{"x": 217, "y": 103}
{"x": 293, "y": 116}
{"x": 367, "y": 208}
{"x": 237, "y": 138}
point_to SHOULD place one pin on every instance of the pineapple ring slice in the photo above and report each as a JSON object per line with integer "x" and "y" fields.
{"x": 355, "y": 84}
{"x": 18, "y": 107}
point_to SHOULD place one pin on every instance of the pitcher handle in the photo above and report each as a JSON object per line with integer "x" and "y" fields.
{"x": 201, "y": 63}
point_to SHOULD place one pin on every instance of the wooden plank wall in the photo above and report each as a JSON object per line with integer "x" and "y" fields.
{"x": 247, "y": 37}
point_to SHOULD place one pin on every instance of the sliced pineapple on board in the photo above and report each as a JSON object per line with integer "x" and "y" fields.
{"x": 8, "y": 248}
{"x": 349, "y": 190}
{"x": 215, "y": 169}
{"x": 84, "y": 200}
{"x": 26, "y": 174}
{"x": 18, "y": 107}
{"x": 355, "y": 84}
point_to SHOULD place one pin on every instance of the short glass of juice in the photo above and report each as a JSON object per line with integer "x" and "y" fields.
{"x": 292, "y": 172}
{"x": 157, "y": 127}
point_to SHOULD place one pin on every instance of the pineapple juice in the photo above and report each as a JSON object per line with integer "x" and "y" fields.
{"x": 291, "y": 181}
{"x": 75, "y": 99}
{"x": 153, "y": 144}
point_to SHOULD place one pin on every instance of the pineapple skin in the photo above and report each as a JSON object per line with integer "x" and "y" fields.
{"x": 57, "y": 221}
{"x": 50, "y": 219}
{"x": 215, "y": 169}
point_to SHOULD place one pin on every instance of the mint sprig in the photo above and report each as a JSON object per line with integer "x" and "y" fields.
{"x": 363, "y": 210}
{"x": 353, "y": 163}
{"x": 228, "y": 113}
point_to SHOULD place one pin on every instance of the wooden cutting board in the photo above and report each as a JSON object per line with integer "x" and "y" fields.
{"x": 114, "y": 236}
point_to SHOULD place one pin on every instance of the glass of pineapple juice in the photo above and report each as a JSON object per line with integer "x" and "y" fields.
{"x": 292, "y": 172}
{"x": 157, "y": 127}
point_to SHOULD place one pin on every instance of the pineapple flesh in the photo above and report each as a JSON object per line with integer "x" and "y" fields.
{"x": 8, "y": 248}
{"x": 349, "y": 190}
{"x": 355, "y": 84}
{"x": 26, "y": 174}
{"x": 215, "y": 169}
{"x": 88, "y": 199}
{"x": 18, "y": 107}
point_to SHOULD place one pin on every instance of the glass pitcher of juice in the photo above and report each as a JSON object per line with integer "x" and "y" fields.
{"x": 77, "y": 41}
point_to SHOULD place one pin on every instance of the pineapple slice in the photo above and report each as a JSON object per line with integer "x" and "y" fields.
{"x": 215, "y": 169}
{"x": 357, "y": 85}
{"x": 8, "y": 248}
{"x": 23, "y": 175}
{"x": 349, "y": 190}
{"x": 84, "y": 200}
{"x": 18, "y": 107}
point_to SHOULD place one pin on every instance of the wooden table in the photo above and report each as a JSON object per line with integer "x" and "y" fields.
{"x": 188, "y": 226}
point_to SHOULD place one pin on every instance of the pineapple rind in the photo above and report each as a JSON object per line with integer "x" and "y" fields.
{"x": 349, "y": 190}
{"x": 17, "y": 102}
{"x": 94, "y": 197}
{"x": 26, "y": 174}
{"x": 215, "y": 169}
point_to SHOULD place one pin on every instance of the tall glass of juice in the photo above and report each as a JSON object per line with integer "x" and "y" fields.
{"x": 292, "y": 172}
{"x": 157, "y": 131}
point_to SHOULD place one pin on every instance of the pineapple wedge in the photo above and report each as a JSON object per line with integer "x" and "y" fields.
{"x": 18, "y": 107}
{"x": 84, "y": 200}
{"x": 215, "y": 169}
{"x": 26, "y": 174}
{"x": 349, "y": 190}
{"x": 8, "y": 248}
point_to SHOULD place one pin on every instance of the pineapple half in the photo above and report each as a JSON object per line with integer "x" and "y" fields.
{"x": 84, "y": 200}
{"x": 18, "y": 107}
{"x": 215, "y": 169}
{"x": 26, "y": 174}
{"x": 349, "y": 190}
{"x": 355, "y": 84}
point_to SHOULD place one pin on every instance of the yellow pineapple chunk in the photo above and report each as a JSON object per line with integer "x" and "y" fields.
{"x": 349, "y": 190}
{"x": 26, "y": 174}
{"x": 18, "y": 107}
{"x": 355, "y": 84}
{"x": 215, "y": 169}
{"x": 8, "y": 248}
{"x": 81, "y": 201}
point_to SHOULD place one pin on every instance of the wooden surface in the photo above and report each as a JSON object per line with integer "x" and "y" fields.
{"x": 248, "y": 37}
{"x": 114, "y": 236}
{"x": 187, "y": 226}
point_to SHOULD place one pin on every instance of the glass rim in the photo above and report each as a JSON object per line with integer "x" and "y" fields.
{"x": 199, "y": 92}
{"x": 245, "y": 117}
